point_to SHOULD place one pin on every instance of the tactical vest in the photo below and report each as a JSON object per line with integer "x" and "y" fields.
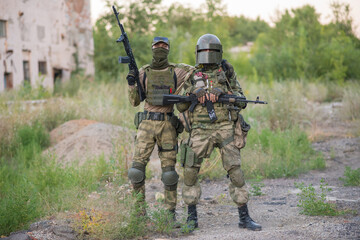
{"x": 224, "y": 112}
{"x": 159, "y": 83}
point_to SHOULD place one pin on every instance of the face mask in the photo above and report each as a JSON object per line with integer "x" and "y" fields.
{"x": 160, "y": 60}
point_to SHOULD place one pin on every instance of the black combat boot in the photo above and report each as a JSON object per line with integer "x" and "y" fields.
{"x": 245, "y": 219}
{"x": 192, "y": 221}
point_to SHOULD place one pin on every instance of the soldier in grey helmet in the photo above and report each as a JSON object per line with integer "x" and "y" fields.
{"x": 157, "y": 124}
{"x": 214, "y": 76}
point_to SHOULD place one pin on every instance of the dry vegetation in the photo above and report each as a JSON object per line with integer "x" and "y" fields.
{"x": 278, "y": 146}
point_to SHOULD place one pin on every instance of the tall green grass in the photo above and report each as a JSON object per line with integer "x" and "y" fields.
{"x": 274, "y": 154}
{"x": 33, "y": 185}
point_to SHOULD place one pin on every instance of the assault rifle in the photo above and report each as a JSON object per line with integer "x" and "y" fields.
{"x": 130, "y": 57}
{"x": 224, "y": 98}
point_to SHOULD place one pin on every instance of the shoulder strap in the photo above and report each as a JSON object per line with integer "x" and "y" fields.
{"x": 225, "y": 68}
{"x": 144, "y": 79}
{"x": 175, "y": 80}
{"x": 146, "y": 68}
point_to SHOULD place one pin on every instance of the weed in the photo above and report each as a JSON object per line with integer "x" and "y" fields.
{"x": 162, "y": 220}
{"x": 313, "y": 204}
{"x": 352, "y": 177}
{"x": 350, "y": 109}
{"x": 89, "y": 222}
{"x": 221, "y": 199}
{"x": 256, "y": 189}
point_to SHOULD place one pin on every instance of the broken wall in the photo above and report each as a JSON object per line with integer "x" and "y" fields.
{"x": 46, "y": 36}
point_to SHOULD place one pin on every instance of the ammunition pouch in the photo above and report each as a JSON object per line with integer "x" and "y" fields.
{"x": 168, "y": 148}
{"x": 241, "y": 130}
{"x": 188, "y": 156}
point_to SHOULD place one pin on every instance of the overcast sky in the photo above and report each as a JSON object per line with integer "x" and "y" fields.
{"x": 266, "y": 9}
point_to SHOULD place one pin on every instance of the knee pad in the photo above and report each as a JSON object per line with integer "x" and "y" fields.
{"x": 237, "y": 176}
{"x": 170, "y": 179}
{"x": 136, "y": 174}
{"x": 190, "y": 175}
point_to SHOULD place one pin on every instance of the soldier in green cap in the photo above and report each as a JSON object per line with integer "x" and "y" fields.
{"x": 212, "y": 77}
{"x": 157, "y": 124}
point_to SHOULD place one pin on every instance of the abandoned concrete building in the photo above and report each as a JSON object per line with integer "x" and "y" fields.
{"x": 42, "y": 42}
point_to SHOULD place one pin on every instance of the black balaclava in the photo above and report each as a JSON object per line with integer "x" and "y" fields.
{"x": 160, "y": 60}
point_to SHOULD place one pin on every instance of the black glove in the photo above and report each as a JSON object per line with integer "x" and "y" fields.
{"x": 199, "y": 92}
{"x": 131, "y": 78}
{"x": 216, "y": 91}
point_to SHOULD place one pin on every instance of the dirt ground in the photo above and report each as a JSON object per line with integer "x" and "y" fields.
{"x": 276, "y": 210}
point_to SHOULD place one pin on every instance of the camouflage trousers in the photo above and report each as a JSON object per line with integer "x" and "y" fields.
{"x": 202, "y": 143}
{"x": 164, "y": 135}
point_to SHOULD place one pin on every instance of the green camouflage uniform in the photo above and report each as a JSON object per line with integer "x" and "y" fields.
{"x": 160, "y": 131}
{"x": 205, "y": 135}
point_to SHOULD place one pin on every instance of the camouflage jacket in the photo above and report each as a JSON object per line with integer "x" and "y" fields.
{"x": 226, "y": 113}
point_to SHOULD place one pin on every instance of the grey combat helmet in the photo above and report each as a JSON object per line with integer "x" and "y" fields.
{"x": 208, "y": 50}
{"x": 160, "y": 39}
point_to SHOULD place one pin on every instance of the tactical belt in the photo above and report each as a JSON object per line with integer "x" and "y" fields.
{"x": 157, "y": 116}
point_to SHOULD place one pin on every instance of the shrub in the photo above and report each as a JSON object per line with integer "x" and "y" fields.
{"x": 313, "y": 204}
{"x": 352, "y": 177}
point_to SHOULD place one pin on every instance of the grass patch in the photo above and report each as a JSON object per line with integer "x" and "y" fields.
{"x": 269, "y": 154}
{"x": 274, "y": 154}
{"x": 351, "y": 177}
{"x": 314, "y": 204}
{"x": 33, "y": 185}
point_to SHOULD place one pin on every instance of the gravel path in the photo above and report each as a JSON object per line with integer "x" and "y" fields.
{"x": 277, "y": 209}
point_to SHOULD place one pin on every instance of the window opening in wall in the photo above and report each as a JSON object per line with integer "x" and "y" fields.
{"x": 26, "y": 67}
{"x": 8, "y": 81}
{"x": 42, "y": 68}
{"x": 2, "y": 28}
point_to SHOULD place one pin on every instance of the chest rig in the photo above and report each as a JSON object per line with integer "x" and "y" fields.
{"x": 212, "y": 79}
{"x": 159, "y": 83}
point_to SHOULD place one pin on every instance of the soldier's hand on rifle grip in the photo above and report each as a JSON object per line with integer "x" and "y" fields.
{"x": 200, "y": 94}
{"x": 131, "y": 78}
{"x": 214, "y": 94}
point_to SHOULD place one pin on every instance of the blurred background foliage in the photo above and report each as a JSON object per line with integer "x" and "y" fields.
{"x": 297, "y": 47}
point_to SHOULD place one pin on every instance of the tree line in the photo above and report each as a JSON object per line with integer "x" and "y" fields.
{"x": 298, "y": 46}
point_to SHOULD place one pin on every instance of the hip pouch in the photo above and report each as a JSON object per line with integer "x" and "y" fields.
{"x": 241, "y": 130}
{"x": 187, "y": 155}
{"x": 139, "y": 116}
{"x": 175, "y": 122}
